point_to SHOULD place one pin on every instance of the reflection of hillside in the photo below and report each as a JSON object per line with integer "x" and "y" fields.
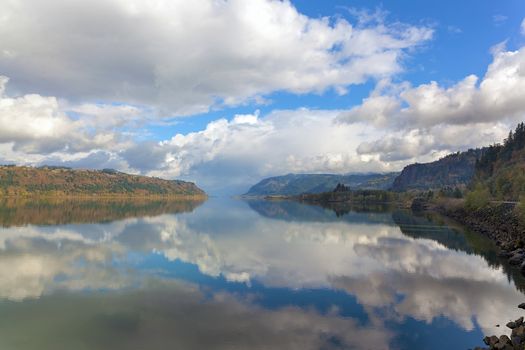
{"x": 426, "y": 226}
{"x": 17, "y": 212}
{"x": 342, "y": 208}
{"x": 430, "y": 227}
{"x": 421, "y": 227}
{"x": 296, "y": 211}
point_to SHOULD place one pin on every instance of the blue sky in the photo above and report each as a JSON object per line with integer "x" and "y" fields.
{"x": 225, "y": 93}
{"x": 464, "y": 34}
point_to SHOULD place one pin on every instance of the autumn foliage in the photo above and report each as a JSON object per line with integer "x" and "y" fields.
{"x": 20, "y": 181}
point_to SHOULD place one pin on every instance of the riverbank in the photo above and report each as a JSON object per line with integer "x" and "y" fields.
{"x": 515, "y": 341}
{"x": 498, "y": 221}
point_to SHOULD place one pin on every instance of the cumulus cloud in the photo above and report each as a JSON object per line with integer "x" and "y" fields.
{"x": 396, "y": 124}
{"x": 38, "y": 124}
{"x": 432, "y": 118}
{"x": 185, "y": 56}
{"x": 427, "y": 144}
{"x": 250, "y": 146}
{"x": 497, "y": 96}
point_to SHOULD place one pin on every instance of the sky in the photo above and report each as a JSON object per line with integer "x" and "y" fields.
{"x": 227, "y": 92}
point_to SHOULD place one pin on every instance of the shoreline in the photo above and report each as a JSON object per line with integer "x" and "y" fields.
{"x": 497, "y": 221}
{"x": 103, "y": 197}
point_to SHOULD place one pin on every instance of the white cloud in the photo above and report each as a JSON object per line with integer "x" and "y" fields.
{"x": 185, "y": 56}
{"x": 428, "y": 144}
{"x": 37, "y": 124}
{"x": 104, "y": 115}
{"x": 249, "y": 147}
{"x": 431, "y": 118}
{"x": 499, "y": 95}
{"x": 397, "y": 124}
{"x": 523, "y": 27}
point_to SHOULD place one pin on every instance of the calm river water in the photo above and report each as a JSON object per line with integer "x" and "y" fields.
{"x": 232, "y": 274}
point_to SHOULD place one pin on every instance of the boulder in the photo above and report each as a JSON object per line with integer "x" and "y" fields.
{"x": 492, "y": 340}
{"x": 519, "y": 331}
{"x": 502, "y": 346}
{"x": 486, "y": 340}
{"x": 504, "y": 339}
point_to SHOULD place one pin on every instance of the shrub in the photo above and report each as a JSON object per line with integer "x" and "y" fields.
{"x": 477, "y": 198}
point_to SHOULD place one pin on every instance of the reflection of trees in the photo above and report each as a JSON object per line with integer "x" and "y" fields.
{"x": 427, "y": 225}
{"x": 422, "y": 227}
{"x": 342, "y": 209}
{"x": 431, "y": 226}
{"x": 18, "y": 212}
{"x": 328, "y": 212}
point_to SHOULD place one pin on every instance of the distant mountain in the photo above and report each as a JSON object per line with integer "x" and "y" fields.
{"x": 454, "y": 170}
{"x": 59, "y": 181}
{"x": 295, "y": 184}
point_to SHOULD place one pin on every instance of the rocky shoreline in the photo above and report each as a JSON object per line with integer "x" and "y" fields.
{"x": 516, "y": 341}
{"x": 498, "y": 222}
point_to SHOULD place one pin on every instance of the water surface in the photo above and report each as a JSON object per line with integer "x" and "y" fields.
{"x": 230, "y": 274}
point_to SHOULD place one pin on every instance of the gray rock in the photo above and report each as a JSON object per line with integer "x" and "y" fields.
{"x": 519, "y": 331}
{"x": 500, "y": 346}
{"x": 511, "y": 325}
{"x": 493, "y": 340}
{"x": 486, "y": 340}
{"x": 521, "y": 306}
{"x": 519, "y": 321}
{"x": 504, "y": 339}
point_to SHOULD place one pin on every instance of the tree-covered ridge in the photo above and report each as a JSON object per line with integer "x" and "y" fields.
{"x": 295, "y": 184}
{"x": 501, "y": 167}
{"x": 59, "y": 181}
{"x": 454, "y": 170}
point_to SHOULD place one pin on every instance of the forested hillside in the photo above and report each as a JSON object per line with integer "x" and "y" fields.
{"x": 58, "y": 181}
{"x": 501, "y": 167}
